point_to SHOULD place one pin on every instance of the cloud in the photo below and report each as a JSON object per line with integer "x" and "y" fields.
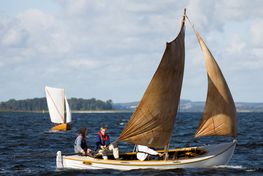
{"x": 112, "y": 48}
{"x": 238, "y": 10}
{"x": 13, "y": 38}
{"x": 84, "y": 63}
{"x": 35, "y": 20}
{"x": 257, "y": 33}
{"x": 236, "y": 45}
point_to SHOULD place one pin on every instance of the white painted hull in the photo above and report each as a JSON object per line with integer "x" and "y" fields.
{"x": 218, "y": 154}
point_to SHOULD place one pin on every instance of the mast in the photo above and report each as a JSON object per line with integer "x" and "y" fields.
{"x": 166, "y": 148}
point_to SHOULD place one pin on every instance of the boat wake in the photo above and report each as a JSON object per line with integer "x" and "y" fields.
{"x": 241, "y": 168}
{"x": 230, "y": 167}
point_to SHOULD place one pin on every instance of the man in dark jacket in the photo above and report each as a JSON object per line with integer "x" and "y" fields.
{"x": 103, "y": 145}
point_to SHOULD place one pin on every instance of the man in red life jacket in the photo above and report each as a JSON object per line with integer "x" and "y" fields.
{"x": 104, "y": 146}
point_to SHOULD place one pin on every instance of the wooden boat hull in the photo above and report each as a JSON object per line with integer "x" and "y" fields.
{"x": 61, "y": 127}
{"x": 218, "y": 154}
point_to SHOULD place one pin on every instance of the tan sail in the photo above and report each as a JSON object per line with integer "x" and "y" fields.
{"x": 219, "y": 116}
{"x": 152, "y": 122}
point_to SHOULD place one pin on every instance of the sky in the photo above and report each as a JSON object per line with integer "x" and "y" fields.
{"x": 111, "y": 49}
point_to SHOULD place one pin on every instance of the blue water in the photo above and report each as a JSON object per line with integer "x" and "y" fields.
{"x": 28, "y": 148}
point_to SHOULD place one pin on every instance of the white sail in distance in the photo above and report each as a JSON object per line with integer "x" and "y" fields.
{"x": 55, "y": 102}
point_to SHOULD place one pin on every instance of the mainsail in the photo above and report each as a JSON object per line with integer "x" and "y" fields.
{"x": 153, "y": 120}
{"x": 219, "y": 116}
{"x": 55, "y": 102}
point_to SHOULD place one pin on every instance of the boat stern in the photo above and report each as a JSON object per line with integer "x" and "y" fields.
{"x": 221, "y": 153}
{"x": 59, "y": 160}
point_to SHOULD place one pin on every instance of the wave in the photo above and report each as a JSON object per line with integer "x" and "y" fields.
{"x": 230, "y": 166}
{"x": 241, "y": 168}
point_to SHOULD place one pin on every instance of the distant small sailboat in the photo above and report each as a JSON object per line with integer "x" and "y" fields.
{"x": 56, "y": 101}
{"x": 152, "y": 122}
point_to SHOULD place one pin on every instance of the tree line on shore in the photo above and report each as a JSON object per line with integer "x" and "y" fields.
{"x": 40, "y": 104}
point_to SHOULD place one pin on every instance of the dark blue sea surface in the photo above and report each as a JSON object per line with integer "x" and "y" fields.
{"x": 28, "y": 148}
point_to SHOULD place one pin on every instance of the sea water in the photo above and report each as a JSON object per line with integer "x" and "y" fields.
{"x": 29, "y": 148}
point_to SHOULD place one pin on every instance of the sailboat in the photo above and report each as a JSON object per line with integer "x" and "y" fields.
{"x": 56, "y": 101}
{"x": 153, "y": 120}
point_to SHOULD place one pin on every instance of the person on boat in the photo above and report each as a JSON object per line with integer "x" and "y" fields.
{"x": 144, "y": 151}
{"x": 103, "y": 145}
{"x": 80, "y": 145}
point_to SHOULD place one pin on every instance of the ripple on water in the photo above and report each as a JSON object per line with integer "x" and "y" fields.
{"x": 28, "y": 148}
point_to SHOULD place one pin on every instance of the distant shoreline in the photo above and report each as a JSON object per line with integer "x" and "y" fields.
{"x": 103, "y": 111}
{"x": 77, "y": 105}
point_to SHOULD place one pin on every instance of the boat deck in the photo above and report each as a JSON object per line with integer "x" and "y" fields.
{"x": 174, "y": 154}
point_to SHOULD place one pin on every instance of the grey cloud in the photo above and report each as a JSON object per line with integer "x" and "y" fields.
{"x": 110, "y": 49}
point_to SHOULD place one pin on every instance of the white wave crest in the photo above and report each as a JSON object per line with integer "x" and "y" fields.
{"x": 230, "y": 167}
